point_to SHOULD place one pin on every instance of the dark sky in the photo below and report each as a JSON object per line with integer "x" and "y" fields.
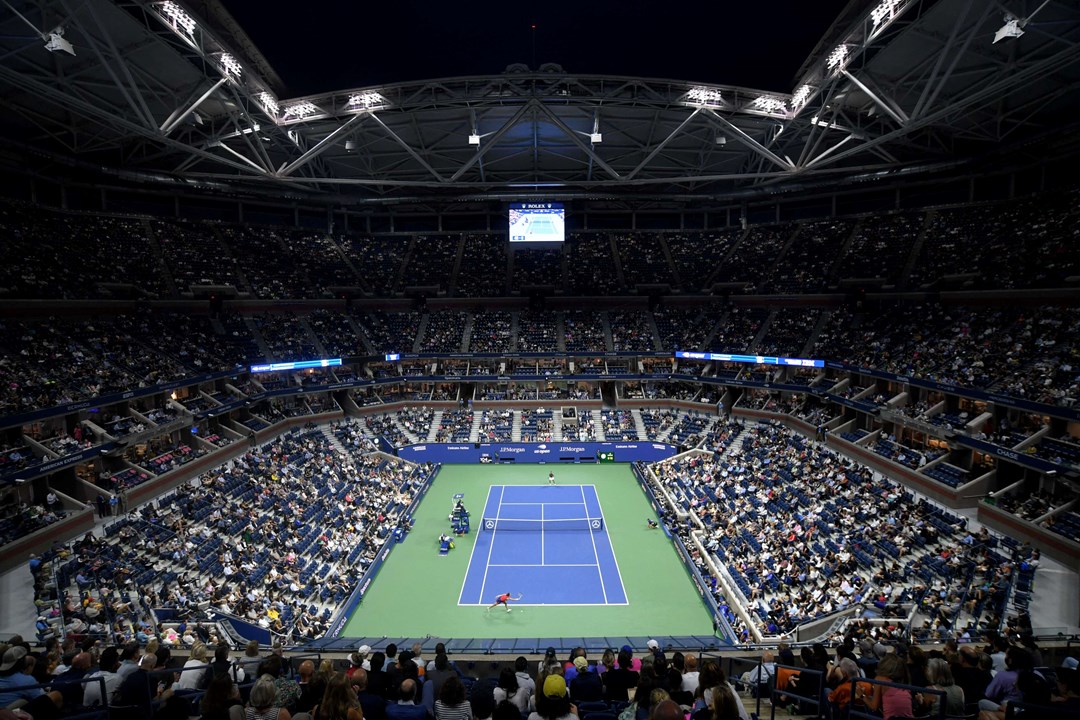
{"x": 324, "y": 45}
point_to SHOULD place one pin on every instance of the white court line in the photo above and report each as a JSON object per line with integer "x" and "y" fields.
{"x": 547, "y": 565}
{"x": 521, "y": 604}
{"x": 541, "y": 534}
{"x": 473, "y": 551}
{"x": 611, "y": 544}
{"x": 542, "y": 502}
{"x": 495, "y": 529}
{"x": 592, "y": 537}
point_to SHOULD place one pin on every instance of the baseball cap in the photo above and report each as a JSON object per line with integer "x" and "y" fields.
{"x": 1070, "y": 662}
{"x": 364, "y": 649}
{"x": 554, "y": 686}
{"x": 15, "y": 653}
{"x": 627, "y": 648}
{"x": 581, "y": 663}
{"x": 550, "y": 652}
{"x": 653, "y": 645}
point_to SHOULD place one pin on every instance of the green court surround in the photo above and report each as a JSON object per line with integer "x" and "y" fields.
{"x": 416, "y": 592}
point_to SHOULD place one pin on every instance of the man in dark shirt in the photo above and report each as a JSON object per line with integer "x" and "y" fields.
{"x": 405, "y": 669}
{"x": 374, "y": 706}
{"x": 140, "y": 687}
{"x": 586, "y": 685}
{"x": 68, "y": 683}
{"x": 969, "y": 676}
{"x": 619, "y": 681}
{"x": 406, "y": 708}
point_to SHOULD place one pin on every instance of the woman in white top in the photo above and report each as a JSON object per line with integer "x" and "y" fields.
{"x": 194, "y": 674}
{"x": 509, "y": 689}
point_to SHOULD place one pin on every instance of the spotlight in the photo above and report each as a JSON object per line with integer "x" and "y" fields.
{"x": 474, "y": 139}
{"x": 596, "y": 138}
{"x": 56, "y": 42}
{"x": 1011, "y": 29}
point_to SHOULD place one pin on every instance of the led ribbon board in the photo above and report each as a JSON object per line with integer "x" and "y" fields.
{"x": 299, "y": 365}
{"x": 752, "y": 359}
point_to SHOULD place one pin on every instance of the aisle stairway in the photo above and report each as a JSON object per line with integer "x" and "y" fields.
{"x": 436, "y": 422}
{"x": 474, "y": 432}
{"x": 333, "y": 439}
{"x": 639, "y": 425}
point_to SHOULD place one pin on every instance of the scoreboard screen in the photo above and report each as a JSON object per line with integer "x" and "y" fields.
{"x": 536, "y": 223}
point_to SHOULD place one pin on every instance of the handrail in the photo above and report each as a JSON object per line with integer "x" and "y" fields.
{"x": 854, "y": 713}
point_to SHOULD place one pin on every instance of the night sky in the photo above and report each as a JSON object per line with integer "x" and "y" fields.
{"x": 321, "y": 45}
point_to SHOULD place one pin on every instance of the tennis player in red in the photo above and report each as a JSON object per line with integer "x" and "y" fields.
{"x": 503, "y": 599}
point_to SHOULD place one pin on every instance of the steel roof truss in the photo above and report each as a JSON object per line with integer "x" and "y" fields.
{"x": 935, "y": 83}
{"x": 320, "y": 147}
{"x": 741, "y": 136}
{"x": 128, "y": 89}
{"x": 494, "y": 139}
{"x": 570, "y": 133}
{"x": 182, "y": 111}
{"x": 407, "y": 147}
{"x": 894, "y": 112}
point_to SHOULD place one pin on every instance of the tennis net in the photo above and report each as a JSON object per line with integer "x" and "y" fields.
{"x": 501, "y": 524}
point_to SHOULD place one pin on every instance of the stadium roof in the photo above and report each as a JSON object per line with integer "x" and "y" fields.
{"x": 176, "y": 92}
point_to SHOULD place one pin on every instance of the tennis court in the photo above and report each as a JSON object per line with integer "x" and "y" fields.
{"x": 417, "y": 592}
{"x": 546, "y": 543}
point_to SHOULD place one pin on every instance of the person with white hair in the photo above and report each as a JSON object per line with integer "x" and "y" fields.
{"x": 261, "y": 702}
{"x": 195, "y": 675}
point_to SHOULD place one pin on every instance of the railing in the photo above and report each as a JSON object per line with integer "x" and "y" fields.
{"x": 866, "y": 714}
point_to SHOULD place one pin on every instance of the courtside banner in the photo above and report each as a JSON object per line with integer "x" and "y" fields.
{"x": 552, "y": 452}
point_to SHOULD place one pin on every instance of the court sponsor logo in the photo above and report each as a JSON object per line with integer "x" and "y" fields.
{"x": 510, "y": 449}
{"x": 542, "y": 446}
{"x": 421, "y": 448}
{"x": 571, "y": 448}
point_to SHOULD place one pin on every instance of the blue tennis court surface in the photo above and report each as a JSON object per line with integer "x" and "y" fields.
{"x": 547, "y": 543}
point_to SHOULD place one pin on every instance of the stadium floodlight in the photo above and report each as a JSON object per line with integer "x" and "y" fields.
{"x": 801, "y": 96}
{"x": 596, "y": 138}
{"x": 474, "y": 139}
{"x": 231, "y": 65}
{"x": 768, "y": 103}
{"x": 704, "y": 96}
{"x": 837, "y": 58}
{"x": 884, "y": 12}
{"x": 302, "y": 110}
{"x": 365, "y": 100}
{"x": 181, "y": 20}
{"x": 57, "y": 43}
{"x": 1011, "y": 29}
{"x": 268, "y": 102}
